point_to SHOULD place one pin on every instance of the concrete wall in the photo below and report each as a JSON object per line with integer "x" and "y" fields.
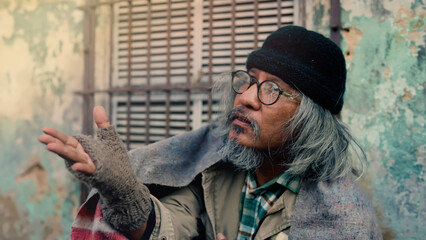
{"x": 41, "y": 65}
{"x": 385, "y": 103}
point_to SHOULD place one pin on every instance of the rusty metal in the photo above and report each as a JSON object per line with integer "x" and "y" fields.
{"x": 169, "y": 32}
{"x": 188, "y": 111}
{"x": 335, "y": 24}
{"x": 188, "y": 64}
{"x": 146, "y": 89}
{"x": 135, "y": 89}
{"x": 256, "y": 23}
{"x": 148, "y": 106}
{"x": 148, "y": 73}
{"x": 129, "y": 72}
{"x": 233, "y": 8}
{"x": 97, "y": 4}
{"x": 88, "y": 79}
{"x": 111, "y": 59}
{"x": 279, "y": 13}
{"x": 210, "y": 74}
{"x": 302, "y": 12}
{"x": 89, "y": 70}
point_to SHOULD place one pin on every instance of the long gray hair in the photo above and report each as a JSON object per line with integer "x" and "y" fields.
{"x": 320, "y": 146}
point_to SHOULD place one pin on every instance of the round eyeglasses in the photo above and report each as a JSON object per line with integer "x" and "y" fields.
{"x": 268, "y": 91}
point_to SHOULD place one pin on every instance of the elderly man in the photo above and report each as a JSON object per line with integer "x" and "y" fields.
{"x": 277, "y": 165}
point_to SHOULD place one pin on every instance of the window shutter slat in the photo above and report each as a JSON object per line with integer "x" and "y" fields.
{"x": 169, "y": 61}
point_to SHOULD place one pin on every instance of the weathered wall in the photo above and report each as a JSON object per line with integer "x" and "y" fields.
{"x": 41, "y": 65}
{"x": 385, "y": 104}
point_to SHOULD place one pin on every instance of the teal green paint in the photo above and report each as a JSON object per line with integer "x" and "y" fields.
{"x": 416, "y": 24}
{"x": 18, "y": 138}
{"x": 321, "y": 19}
{"x": 318, "y": 15}
{"x": 9, "y": 80}
{"x": 386, "y": 113}
{"x": 416, "y": 4}
{"x": 51, "y": 80}
{"x": 14, "y": 157}
{"x": 59, "y": 50}
{"x": 377, "y": 8}
{"x": 34, "y": 26}
{"x": 76, "y": 48}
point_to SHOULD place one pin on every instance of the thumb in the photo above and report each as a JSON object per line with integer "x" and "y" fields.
{"x": 220, "y": 236}
{"x": 101, "y": 117}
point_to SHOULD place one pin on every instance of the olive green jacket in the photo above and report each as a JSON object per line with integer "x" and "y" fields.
{"x": 210, "y": 205}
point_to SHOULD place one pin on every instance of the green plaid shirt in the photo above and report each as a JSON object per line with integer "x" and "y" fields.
{"x": 256, "y": 201}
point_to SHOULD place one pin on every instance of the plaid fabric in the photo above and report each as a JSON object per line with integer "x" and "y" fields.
{"x": 256, "y": 201}
{"x": 89, "y": 224}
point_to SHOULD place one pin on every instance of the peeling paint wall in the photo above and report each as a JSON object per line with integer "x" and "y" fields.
{"x": 41, "y": 65}
{"x": 385, "y": 103}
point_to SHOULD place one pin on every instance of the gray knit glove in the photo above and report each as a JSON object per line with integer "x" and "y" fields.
{"x": 126, "y": 201}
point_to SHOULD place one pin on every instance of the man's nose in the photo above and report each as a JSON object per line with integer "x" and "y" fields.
{"x": 249, "y": 98}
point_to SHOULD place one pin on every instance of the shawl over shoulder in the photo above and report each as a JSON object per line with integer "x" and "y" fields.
{"x": 324, "y": 210}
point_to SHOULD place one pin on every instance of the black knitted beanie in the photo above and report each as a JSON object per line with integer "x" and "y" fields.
{"x": 307, "y": 61}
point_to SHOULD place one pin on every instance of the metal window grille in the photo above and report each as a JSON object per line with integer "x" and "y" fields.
{"x": 166, "y": 54}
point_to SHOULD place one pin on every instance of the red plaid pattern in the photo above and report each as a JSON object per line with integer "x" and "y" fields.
{"x": 89, "y": 223}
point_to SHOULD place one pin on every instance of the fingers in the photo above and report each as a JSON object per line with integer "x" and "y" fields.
{"x": 46, "y": 139}
{"x": 101, "y": 117}
{"x": 63, "y": 145}
{"x": 67, "y": 152}
{"x": 60, "y": 136}
{"x": 88, "y": 168}
{"x": 81, "y": 161}
{"x": 220, "y": 236}
{"x": 68, "y": 148}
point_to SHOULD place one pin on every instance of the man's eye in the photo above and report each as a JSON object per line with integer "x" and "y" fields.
{"x": 272, "y": 90}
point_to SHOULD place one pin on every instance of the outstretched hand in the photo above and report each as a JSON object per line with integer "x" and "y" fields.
{"x": 103, "y": 163}
{"x": 69, "y": 148}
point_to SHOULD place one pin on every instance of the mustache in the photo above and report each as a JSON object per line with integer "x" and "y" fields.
{"x": 239, "y": 112}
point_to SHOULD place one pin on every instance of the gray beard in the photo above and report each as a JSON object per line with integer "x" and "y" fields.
{"x": 242, "y": 157}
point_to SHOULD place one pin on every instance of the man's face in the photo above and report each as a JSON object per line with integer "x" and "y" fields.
{"x": 269, "y": 118}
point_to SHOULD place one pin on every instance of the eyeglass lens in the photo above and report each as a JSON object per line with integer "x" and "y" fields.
{"x": 268, "y": 92}
{"x": 240, "y": 81}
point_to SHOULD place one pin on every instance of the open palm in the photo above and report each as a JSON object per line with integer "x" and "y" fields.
{"x": 69, "y": 148}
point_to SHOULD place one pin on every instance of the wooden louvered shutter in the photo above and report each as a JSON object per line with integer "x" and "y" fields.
{"x": 167, "y": 52}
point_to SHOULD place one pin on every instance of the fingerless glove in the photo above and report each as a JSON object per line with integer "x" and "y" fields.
{"x": 126, "y": 201}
